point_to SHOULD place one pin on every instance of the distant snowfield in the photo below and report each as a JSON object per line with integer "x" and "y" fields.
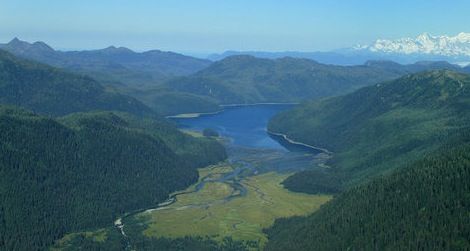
{"x": 462, "y": 64}
{"x": 425, "y": 43}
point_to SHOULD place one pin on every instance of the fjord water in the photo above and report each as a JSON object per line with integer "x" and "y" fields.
{"x": 245, "y": 126}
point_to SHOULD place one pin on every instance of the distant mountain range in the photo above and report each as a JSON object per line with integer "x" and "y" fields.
{"x": 425, "y": 47}
{"x": 118, "y": 64}
{"x": 171, "y": 83}
{"x": 247, "y": 79}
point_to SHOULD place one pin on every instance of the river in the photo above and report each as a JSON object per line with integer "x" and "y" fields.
{"x": 251, "y": 149}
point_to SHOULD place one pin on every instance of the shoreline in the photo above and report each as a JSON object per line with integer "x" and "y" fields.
{"x": 254, "y": 104}
{"x": 199, "y": 114}
{"x": 291, "y": 141}
{"x": 191, "y": 115}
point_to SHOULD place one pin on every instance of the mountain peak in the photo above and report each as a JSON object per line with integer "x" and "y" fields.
{"x": 21, "y": 46}
{"x": 462, "y": 36}
{"x": 114, "y": 49}
{"x": 424, "y": 36}
{"x": 43, "y": 46}
{"x": 14, "y": 40}
{"x": 17, "y": 42}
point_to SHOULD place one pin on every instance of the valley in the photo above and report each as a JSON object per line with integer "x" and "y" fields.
{"x": 237, "y": 198}
{"x": 234, "y": 125}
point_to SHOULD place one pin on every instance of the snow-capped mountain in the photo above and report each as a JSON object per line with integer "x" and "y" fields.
{"x": 456, "y": 46}
{"x": 425, "y": 47}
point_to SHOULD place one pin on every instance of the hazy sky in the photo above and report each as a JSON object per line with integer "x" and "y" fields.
{"x": 218, "y": 25}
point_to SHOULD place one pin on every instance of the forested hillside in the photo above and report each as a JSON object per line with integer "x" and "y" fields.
{"x": 424, "y": 206}
{"x": 246, "y": 79}
{"x": 168, "y": 102}
{"x": 52, "y": 91}
{"x": 200, "y": 151}
{"x": 380, "y": 127}
{"x": 82, "y": 171}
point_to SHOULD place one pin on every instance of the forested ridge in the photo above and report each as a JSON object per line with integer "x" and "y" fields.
{"x": 401, "y": 167}
{"x": 378, "y": 128}
{"x": 48, "y": 90}
{"x": 167, "y": 102}
{"x": 423, "y": 206}
{"x": 82, "y": 171}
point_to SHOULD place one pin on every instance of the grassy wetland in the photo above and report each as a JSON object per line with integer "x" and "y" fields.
{"x": 220, "y": 208}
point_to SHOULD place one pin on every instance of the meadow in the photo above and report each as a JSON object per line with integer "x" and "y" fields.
{"x": 210, "y": 212}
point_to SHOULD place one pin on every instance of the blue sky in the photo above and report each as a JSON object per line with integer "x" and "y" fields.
{"x": 202, "y": 26}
